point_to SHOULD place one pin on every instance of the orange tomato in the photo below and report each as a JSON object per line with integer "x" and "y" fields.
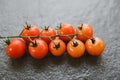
{"x": 57, "y": 47}
{"x": 38, "y": 49}
{"x": 66, "y": 29}
{"x": 84, "y": 31}
{"x": 48, "y": 31}
{"x": 16, "y": 48}
{"x": 30, "y": 30}
{"x": 75, "y": 48}
{"x": 95, "y": 46}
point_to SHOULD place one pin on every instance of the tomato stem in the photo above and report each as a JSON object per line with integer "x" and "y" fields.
{"x": 21, "y": 31}
{"x": 38, "y": 36}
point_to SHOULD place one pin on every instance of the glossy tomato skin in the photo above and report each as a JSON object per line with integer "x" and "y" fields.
{"x": 57, "y": 47}
{"x": 85, "y": 32}
{"x": 48, "y": 32}
{"x": 75, "y": 51}
{"x": 40, "y": 50}
{"x": 66, "y": 29}
{"x": 96, "y": 48}
{"x": 16, "y": 48}
{"x": 31, "y": 31}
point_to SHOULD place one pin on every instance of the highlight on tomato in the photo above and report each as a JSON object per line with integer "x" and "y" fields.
{"x": 84, "y": 31}
{"x": 30, "y": 30}
{"x": 48, "y": 31}
{"x": 95, "y": 46}
{"x": 15, "y": 48}
{"x": 38, "y": 48}
{"x": 57, "y": 47}
{"x": 66, "y": 29}
{"x": 75, "y": 48}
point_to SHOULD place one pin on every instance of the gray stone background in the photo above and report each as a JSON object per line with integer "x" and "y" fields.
{"x": 103, "y": 15}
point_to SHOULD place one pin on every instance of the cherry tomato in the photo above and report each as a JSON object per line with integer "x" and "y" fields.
{"x": 66, "y": 29}
{"x": 57, "y": 47}
{"x": 38, "y": 49}
{"x": 30, "y": 30}
{"x": 84, "y": 31}
{"x": 48, "y": 31}
{"x": 95, "y": 46}
{"x": 16, "y": 48}
{"x": 75, "y": 48}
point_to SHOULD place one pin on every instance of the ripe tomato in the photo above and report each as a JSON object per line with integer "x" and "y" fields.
{"x": 57, "y": 47}
{"x": 38, "y": 49}
{"x": 30, "y": 30}
{"x": 16, "y": 48}
{"x": 66, "y": 29}
{"x": 48, "y": 31}
{"x": 84, "y": 31}
{"x": 95, "y": 46}
{"x": 75, "y": 48}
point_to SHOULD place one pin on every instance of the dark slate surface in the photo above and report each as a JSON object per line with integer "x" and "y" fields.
{"x": 103, "y": 15}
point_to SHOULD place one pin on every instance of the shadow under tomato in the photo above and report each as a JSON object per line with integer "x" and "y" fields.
{"x": 39, "y": 64}
{"x": 57, "y": 60}
{"x": 75, "y": 62}
{"x": 86, "y": 59}
{"x": 17, "y": 64}
{"x": 46, "y": 61}
{"x": 93, "y": 60}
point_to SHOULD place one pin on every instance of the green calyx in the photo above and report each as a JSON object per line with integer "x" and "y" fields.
{"x": 56, "y": 45}
{"x": 80, "y": 27}
{"x": 93, "y": 40}
{"x": 59, "y": 27}
{"x": 75, "y": 43}
{"x": 7, "y": 41}
{"x": 46, "y": 28}
{"x": 28, "y": 26}
{"x": 34, "y": 44}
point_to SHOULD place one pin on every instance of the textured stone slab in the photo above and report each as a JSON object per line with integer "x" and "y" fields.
{"x": 103, "y": 15}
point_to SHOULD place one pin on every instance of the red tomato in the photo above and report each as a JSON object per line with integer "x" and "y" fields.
{"x": 15, "y": 48}
{"x": 38, "y": 49}
{"x": 66, "y": 29}
{"x": 30, "y": 30}
{"x": 57, "y": 47}
{"x": 95, "y": 46}
{"x": 84, "y": 31}
{"x": 75, "y": 48}
{"x": 48, "y": 32}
